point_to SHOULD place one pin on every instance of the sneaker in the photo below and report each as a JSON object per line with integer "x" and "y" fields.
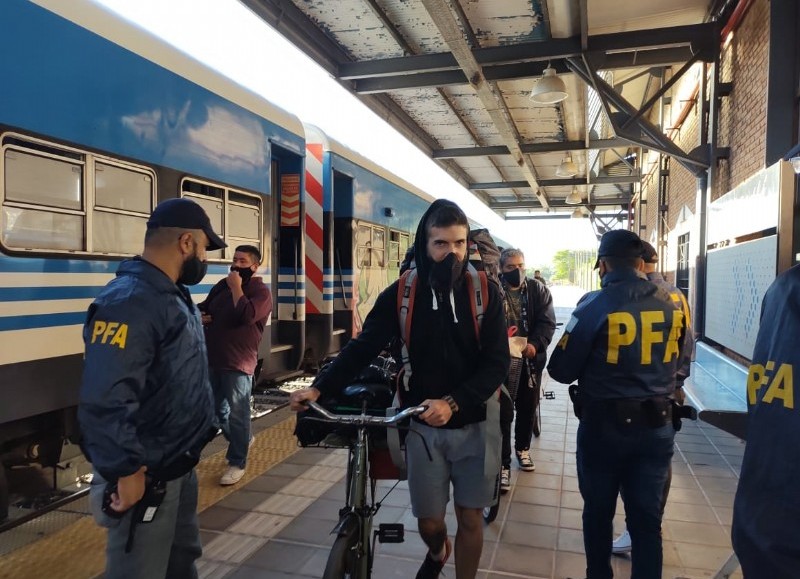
{"x": 233, "y": 475}
{"x": 622, "y": 544}
{"x": 431, "y": 569}
{"x": 505, "y": 480}
{"x": 525, "y": 460}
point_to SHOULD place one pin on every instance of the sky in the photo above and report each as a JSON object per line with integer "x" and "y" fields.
{"x": 226, "y": 36}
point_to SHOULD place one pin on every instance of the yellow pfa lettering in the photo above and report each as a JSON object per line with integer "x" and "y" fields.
{"x": 562, "y": 343}
{"x": 621, "y": 332}
{"x": 756, "y": 379}
{"x": 623, "y": 329}
{"x": 111, "y": 333}
{"x": 99, "y": 328}
{"x": 649, "y": 335}
{"x": 780, "y": 385}
{"x": 672, "y": 349}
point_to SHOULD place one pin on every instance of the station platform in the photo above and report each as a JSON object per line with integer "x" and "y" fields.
{"x": 276, "y": 522}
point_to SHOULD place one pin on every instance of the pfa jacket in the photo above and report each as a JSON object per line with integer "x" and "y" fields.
{"x": 766, "y": 512}
{"x": 145, "y": 399}
{"x": 624, "y": 341}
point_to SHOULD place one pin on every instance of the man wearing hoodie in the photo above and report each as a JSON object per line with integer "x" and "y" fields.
{"x": 456, "y": 374}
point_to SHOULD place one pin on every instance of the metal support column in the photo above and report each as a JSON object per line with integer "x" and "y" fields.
{"x": 782, "y": 80}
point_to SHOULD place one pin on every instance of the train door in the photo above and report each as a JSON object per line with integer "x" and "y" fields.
{"x": 286, "y": 273}
{"x": 274, "y": 244}
{"x": 343, "y": 237}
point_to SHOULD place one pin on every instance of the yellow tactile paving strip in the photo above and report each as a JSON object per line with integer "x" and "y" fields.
{"x": 78, "y": 550}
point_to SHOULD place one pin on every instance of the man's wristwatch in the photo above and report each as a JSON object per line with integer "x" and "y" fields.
{"x": 452, "y": 403}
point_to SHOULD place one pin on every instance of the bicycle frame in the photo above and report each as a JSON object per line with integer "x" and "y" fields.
{"x": 355, "y": 518}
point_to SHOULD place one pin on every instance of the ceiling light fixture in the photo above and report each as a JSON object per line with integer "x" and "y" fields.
{"x": 549, "y": 89}
{"x": 567, "y": 168}
{"x": 574, "y": 198}
{"x": 577, "y": 214}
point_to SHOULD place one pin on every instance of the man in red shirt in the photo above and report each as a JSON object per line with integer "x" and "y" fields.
{"x": 234, "y": 315}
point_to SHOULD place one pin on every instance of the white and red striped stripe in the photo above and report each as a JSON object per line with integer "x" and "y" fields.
{"x": 315, "y": 303}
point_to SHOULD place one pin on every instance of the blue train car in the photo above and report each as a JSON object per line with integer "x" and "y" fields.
{"x": 360, "y": 219}
{"x": 100, "y": 121}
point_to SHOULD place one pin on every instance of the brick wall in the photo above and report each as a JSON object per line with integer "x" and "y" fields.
{"x": 742, "y": 127}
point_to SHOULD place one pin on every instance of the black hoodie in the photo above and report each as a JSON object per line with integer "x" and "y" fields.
{"x": 446, "y": 357}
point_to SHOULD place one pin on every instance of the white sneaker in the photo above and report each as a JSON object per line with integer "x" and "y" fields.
{"x": 233, "y": 475}
{"x": 505, "y": 480}
{"x": 622, "y": 544}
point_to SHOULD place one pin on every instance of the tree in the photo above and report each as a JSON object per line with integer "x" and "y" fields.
{"x": 562, "y": 265}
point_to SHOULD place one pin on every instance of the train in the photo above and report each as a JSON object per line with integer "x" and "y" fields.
{"x": 100, "y": 121}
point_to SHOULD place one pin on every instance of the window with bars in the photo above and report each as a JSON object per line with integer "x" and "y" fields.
{"x": 682, "y": 271}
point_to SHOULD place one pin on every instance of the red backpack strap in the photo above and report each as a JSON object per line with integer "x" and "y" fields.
{"x": 406, "y": 290}
{"x": 478, "y": 285}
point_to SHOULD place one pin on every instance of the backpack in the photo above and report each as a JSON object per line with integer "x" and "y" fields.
{"x": 483, "y": 267}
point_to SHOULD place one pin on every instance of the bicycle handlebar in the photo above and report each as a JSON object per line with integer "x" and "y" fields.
{"x": 365, "y": 419}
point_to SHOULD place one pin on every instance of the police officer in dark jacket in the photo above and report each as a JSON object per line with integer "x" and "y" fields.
{"x": 766, "y": 512}
{"x": 146, "y": 408}
{"x": 624, "y": 344}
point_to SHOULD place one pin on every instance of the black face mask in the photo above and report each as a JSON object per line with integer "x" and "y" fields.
{"x": 193, "y": 270}
{"x": 244, "y": 272}
{"x": 513, "y": 278}
{"x": 444, "y": 274}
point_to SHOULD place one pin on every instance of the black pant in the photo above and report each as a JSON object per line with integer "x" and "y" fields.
{"x": 526, "y": 401}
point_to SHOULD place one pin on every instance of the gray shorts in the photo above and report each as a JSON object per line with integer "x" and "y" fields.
{"x": 459, "y": 456}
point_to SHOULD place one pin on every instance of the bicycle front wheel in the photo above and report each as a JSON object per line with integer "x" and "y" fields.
{"x": 343, "y": 558}
{"x": 537, "y": 409}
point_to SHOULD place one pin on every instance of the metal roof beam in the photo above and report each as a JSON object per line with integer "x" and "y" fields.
{"x": 554, "y": 204}
{"x": 647, "y": 134}
{"x": 599, "y": 180}
{"x": 696, "y": 36}
{"x": 546, "y": 216}
{"x": 453, "y": 34}
{"x": 443, "y": 77}
{"x": 530, "y": 148}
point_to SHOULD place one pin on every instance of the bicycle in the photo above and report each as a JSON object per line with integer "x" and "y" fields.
{"x": 353, "y": 549}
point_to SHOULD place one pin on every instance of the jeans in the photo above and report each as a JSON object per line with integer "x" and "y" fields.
{"x": 637, "y": 463}
{"x": 232, "y": 402}
{"x": 523, "y": 427}
{"x": 166, "y": 547}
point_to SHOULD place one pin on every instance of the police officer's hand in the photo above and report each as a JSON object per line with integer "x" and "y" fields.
{"x": 130, "y": 490}
{"x": 529, "y": 351}
{"x": 298, "y": 397}
{"x": 438, "y": 412}
{"x": 680, "y": 395}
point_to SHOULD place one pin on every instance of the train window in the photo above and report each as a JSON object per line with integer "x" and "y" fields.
{"x": 34, "y": 229}
{"x": 122, "y": 188}
{"x": 378, "y": 247}
{"x": 237, "y": 216}
{"x": 398, "y": 245}
{"x": 41, "y": 180}
{"x": 51, "y": 202}
{"x": 370, "y": 245}
{"x": 243, "y": 222}
{"x": 117, "y": 233}
{"x": 117, "y": 190}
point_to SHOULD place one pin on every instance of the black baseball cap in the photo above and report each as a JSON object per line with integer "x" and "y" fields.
{"x": 184, "y": 213}
{"x": 619, "y": 243}
{"x": 649, "y": 253}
